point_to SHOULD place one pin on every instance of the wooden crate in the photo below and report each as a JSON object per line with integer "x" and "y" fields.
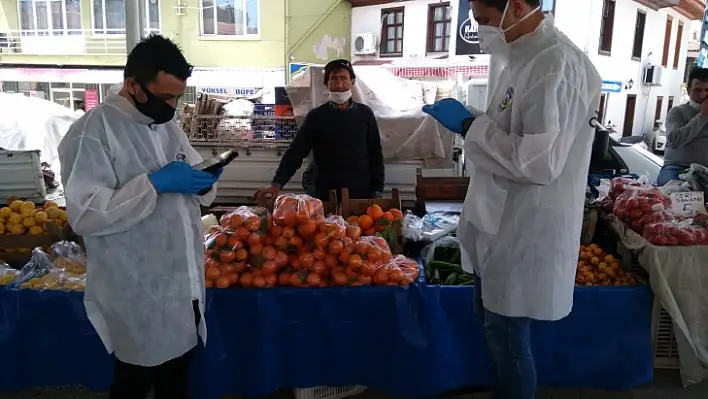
{"x": 453, "y": 189}
{"x": 357, "y": 207}
{"x": 17, "y": 250}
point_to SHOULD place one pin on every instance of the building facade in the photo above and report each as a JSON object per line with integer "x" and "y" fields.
{"x": 72, "y": 51}
{"x": 623, "y": 38}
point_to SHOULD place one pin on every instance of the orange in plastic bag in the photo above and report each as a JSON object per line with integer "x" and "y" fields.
{"x": 400, "y": 270}
{"x": 294, "y": 210}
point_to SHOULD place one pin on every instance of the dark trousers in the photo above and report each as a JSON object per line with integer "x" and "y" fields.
{"x": 170, "y": 379}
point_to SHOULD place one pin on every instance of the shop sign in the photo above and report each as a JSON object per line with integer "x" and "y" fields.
{"x": 228, "y": 91}
{"x": 225, "y": 91}
{"x": 467, "y": 41}
{"x": 90, "y": 99}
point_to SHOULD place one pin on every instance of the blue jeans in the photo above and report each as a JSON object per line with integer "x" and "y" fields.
{"x": 509, "y": 339}
{"x": 670, "y": 172}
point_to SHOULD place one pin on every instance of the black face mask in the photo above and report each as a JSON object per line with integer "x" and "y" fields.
{"x": 154, "y": 108}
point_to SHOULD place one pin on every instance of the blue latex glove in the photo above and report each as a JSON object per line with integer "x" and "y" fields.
{"x": 179, "y": 177}
{"x": 449, "y": 112}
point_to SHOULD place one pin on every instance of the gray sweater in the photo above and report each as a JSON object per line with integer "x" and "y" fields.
{"x": 686, "y": 136}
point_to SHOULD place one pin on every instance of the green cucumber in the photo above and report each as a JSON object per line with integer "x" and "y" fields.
{"x": 451, "y": 279}
{"x": 445, "y": 265}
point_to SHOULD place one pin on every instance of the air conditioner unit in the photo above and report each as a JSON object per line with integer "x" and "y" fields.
{"x": 364, "y": 44}
{"x": 652, "y": 75}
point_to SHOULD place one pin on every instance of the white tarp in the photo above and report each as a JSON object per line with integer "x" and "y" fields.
{"x": 679, "y": 280}
{"x": 31, "y": 123}
{"x": 407, "y": 133}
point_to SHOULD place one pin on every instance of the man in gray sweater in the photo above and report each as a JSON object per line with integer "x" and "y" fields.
{"x": 687, "y": 130}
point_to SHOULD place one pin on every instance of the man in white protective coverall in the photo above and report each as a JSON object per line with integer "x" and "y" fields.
{"x": 132, "y": 194}
{"x": 528, "y": 156}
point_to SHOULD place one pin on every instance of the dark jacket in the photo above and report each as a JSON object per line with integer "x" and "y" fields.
{"x": 347, "y": 151}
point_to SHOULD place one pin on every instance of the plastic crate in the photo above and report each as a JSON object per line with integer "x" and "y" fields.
{"x": 666, "y": 354}
{"x": 325, "y": 392}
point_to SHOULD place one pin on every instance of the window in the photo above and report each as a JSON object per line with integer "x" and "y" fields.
{"x": 670, "y": 104}
{"x": 108, "y": 16}
{"x": 230, "y": 18}
{"x": 392, "y": 32}
{"x": 639, "y": 35}
{"x": 50, "y": 17}
{"x": 667, "y": 41}
{"x": 548, "y": 6}
{"x": 677, "y": 46}
{"x": 606, "y": 26}
{"x": 439, "y": 28}
{"x": 657, "y": 111}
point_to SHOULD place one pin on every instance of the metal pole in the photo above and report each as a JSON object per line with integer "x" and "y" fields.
{"x": 143, "y": 18}
{"x": 286, "y": 43}
{"x": 132, "y": 24}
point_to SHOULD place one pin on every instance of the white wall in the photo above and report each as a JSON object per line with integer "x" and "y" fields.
{"x": 415, "y": 29}
{"x": 581, "y": 21}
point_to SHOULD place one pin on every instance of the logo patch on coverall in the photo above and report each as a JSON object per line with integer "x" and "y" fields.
{"x": 182, "y": 157}
{"x": 507, "y": 100}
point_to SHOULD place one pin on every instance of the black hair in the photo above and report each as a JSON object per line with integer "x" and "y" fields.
{"x": 336, "y": 66}
{"x": 501, "y": 4}
{"x": 697, "y": 73}
{"x": 153, "y": 54}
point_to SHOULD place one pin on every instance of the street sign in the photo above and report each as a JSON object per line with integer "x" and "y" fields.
{"x": 610, "y": 86}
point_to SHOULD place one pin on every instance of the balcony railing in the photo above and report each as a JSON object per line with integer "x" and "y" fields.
{"x": 64, "y": 42}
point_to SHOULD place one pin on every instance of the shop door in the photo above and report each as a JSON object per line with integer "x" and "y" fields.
{"x": 629, "y": 115}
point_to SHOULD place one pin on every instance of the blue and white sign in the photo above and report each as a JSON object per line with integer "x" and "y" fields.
{"x": 228, "y": 91}
{"x": 611, "y": 86}
{"x": 215, "y": 90}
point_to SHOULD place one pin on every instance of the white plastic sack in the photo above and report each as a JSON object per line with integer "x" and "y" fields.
{"x": 31, "y": 123}
{"x": 407, "y": 133}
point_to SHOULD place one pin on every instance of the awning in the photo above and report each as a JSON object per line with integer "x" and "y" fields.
{"x": 438, "y": 71}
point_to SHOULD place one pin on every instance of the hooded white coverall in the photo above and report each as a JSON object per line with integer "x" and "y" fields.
{"x": 145, "y": 251}
{"x": 528, "y": 162}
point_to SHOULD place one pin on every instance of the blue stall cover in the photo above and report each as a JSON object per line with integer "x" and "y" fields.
{"x": 407, "y": 341}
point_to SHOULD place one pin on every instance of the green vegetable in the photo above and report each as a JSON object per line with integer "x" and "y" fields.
{"x": 451, "y": 279}
{"x": 445, "y": 265}
{"x": 467, "y": 283}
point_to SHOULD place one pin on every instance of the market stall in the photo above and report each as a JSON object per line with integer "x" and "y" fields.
{"x": 401, "y": 335}
{"x": 665, "y": 230}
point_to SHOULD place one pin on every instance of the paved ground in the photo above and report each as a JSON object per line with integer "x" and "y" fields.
{"x": 667, "y": 385}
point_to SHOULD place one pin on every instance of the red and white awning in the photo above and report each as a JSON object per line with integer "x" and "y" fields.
{"x": 438, "y": 71}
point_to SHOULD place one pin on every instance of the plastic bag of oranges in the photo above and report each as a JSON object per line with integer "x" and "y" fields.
{"x": 366, "y": 255}
{"x": 298, "y": 211}
{"x": 400, "y": 270}
{"x": 246, "y": 219}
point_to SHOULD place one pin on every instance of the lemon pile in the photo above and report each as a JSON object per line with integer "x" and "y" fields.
{"x": 7, "y": 276}
{"x": 55, "y": 279}
{"x": 24, "y": 217}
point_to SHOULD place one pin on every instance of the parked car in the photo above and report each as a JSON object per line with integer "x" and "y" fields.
{"x": 656, "y": 139}
{"x": 628, "y": 155}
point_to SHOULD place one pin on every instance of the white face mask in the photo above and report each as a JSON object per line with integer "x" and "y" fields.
{"x": 695, "y": 105}
{"x": 340, "y": 97}
{"x": 491, "y": 39}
